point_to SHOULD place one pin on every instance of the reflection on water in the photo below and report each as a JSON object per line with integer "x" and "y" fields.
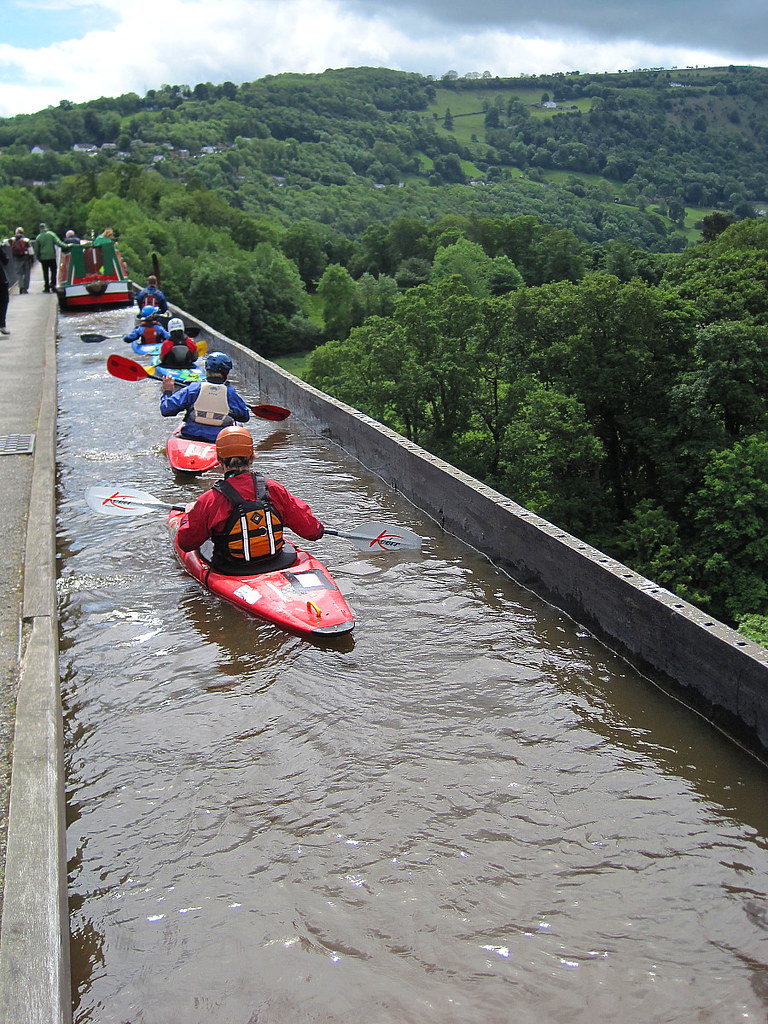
{"x": 470, "y": 812}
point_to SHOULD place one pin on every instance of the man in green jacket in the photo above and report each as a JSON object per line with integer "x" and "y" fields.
{"x": 45, "y": 250}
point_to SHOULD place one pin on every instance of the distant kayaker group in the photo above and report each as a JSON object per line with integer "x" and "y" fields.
{"x": 231, "y": 539}
{"x": 245, "y": 513}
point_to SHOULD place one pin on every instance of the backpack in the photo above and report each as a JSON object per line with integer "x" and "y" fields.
{"x": 20, "y": 247}
{"x": 254, "y": 530}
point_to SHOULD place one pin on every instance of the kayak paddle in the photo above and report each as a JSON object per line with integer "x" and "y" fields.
{"x": 129, "y": 369}
{"x": 124, "y": 500}
{"x": 270, "y": 412}
{"x": 93, "y": 339}
{"x": 380, "y": 537}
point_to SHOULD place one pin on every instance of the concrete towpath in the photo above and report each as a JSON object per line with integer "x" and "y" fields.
{"x": 34, "y": 930}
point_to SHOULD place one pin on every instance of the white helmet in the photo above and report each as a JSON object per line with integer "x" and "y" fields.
{"x": 175, "y": 324}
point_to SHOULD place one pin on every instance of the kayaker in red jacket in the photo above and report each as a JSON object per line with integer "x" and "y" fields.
{"x": 247, "y": 537}
{"x": 178, "y": 351}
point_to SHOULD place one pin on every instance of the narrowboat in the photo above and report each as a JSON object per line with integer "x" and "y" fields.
{"x": 92, "y": 278}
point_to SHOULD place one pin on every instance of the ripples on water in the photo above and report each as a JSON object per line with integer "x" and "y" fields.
{"x": 467, "y": 811}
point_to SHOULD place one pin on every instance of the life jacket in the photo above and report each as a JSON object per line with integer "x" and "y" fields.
{"x": 253, "y": 531}
{"x": 212, "y": 405}
{"x": 149, "y": 335}
{"x": 20, "y": 247}
{"x": 180, "y": 357}
{"x": 149, "y": 296}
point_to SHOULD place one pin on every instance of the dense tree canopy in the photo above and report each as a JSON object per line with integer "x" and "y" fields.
{"x": 631, "y": 414}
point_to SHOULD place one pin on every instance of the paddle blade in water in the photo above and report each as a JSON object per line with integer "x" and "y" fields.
{"x": 270, "y": 412}
{"x": 380, "y": 537}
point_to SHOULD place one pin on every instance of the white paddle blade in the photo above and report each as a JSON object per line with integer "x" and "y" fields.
{"x": 381, "y": 537}
{"x": 121, "y": 501}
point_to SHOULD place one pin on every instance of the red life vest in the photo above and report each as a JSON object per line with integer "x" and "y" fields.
{"x": 253, "y": 531}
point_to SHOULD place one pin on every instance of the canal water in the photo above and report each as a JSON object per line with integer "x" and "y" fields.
{"x": 469, "y": 810}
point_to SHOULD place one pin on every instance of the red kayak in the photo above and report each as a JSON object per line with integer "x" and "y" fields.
{"x": 302, "y": 598}
{"x": 187, "y": 456}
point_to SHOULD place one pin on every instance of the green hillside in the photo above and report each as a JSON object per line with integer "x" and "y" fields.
{"x": 555, "y": 282}
{"x": 683, "y": 139}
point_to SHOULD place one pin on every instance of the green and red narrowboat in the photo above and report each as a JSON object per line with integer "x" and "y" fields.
{"x": 92, "y": 278}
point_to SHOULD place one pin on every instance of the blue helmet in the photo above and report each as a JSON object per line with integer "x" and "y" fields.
{"x": 218, "y": 364}
{"x": 149, "y": 311}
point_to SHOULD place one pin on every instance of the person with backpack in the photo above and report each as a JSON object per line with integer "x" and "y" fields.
{"x": 245, "y": 513}
{"x": 23, "y": 256}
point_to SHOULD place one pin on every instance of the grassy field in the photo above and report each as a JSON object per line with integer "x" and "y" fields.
{"x": 466, "y": 107}
{"x": 693, "y": 214}
{"x": 316, "y": 310}
{"x": 470, "y": 169}
{"x": 564, "y": 177}
{"x": 294, "y": 363}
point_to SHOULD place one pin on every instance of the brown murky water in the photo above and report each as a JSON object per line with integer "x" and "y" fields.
{"x": 468, "y": 811}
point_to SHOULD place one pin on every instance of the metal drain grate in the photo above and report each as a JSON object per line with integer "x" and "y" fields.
{"x": 17, "y": 444}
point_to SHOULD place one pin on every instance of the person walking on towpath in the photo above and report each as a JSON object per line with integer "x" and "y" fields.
{"x": 5, "y": 262}
{"x": 208, "y": 405}
{"x": 45, "y": 250}
{"x": 23, "y": 256}
{"x": 244, "y": 514}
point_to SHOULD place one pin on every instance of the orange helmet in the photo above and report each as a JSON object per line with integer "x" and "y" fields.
{"x": 234, "y": 441}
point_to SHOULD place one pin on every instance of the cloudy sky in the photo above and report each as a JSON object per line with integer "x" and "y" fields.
{"x": 78, "y": 49}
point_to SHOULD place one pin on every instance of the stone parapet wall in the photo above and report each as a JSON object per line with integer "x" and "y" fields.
{"x": 709, "y": 666}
